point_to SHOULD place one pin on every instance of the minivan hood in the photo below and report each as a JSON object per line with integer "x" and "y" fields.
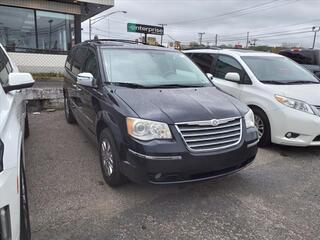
{"x": 175, "y": 105}
{"x": 308, "y": 93}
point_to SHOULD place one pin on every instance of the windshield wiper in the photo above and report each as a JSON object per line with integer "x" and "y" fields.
{"x": 273, "y": 82}
{"x": 302, "y": 82}
{"x": 129, "y": 85}
{"x": 176, "y": 86}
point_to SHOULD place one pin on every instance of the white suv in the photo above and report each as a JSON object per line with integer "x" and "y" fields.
{"x": 14, "y": 214}
{"x": 283, "y": 95}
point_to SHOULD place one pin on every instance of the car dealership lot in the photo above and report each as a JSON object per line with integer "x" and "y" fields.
{"x": 277, "y": 197}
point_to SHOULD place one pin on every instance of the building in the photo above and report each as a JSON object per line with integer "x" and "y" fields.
{"x": 38, "y": 33}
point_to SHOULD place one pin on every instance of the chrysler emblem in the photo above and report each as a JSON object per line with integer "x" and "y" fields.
{"x": 215, "y": 122}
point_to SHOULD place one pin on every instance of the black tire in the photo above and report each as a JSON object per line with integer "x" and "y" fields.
{"x": 25, "y": 229}
{"x": 265, "y": 136}
{"x": 68, "y": 112}
{"x": 26, "y": 127}
{"x": 107, "y": 146}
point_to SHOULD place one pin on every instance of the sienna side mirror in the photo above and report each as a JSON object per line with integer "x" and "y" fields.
{"x": 85, "y": 79}
{"x": 18, "y": 81}
{"x": 210, "y": 76}
{"x": 232, "y": 76}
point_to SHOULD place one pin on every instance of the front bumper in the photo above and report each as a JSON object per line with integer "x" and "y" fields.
{"x": 286, "y": 120}
{"x": 10, "y": 201}
{"x": 171, "y": 162}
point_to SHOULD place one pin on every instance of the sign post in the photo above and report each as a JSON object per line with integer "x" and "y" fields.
{"x": 145, "y": 29}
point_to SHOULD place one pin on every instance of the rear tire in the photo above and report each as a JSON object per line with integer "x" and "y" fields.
{"x": 68, "y": 112}
{"x": 263, "y": 126}
{"x": 25, "y": 230}
{"x": 109, "y": 159}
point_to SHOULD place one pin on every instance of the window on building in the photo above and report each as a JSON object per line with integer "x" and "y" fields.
{"x": 17, "y": 28}
{"x": 29, "y": 30}
{"x": 55, "y": 30}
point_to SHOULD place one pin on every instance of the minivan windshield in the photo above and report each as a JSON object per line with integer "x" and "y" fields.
{"x": 278, "y": 70}
{"x": 152, "y": 68}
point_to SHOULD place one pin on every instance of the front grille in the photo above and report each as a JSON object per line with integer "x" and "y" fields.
{"x": 212, "y": 134}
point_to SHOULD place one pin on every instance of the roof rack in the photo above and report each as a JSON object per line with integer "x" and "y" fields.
{"x": 114, "y": 40}
{"x": 199, "y": 48}
{"x": 120, "y": 40}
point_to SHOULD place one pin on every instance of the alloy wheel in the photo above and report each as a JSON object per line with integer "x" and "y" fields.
{"x": 107, "y": 157}
{"x": 259, "y": 125}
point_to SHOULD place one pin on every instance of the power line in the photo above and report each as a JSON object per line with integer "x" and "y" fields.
{"x": 225, "y": 14}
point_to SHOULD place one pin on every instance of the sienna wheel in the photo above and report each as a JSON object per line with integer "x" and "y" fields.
{"x": 263, "y": 126}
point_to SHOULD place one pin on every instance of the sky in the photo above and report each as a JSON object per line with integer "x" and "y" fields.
{"x": 269, "y": 22}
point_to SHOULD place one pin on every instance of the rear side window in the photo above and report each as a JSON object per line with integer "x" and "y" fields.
{"x": 302, "y": 57}
{"x": 204, "y": 61}
{"x": 79, "y": 57}
{"x": 226, "y": 64}
{"x": 5, "y": 69}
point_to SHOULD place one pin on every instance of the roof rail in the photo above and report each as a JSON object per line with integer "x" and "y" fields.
{"x": 199, "y": 48}
{"x": 113, "y": 40}
{"x": 121, "y": 40}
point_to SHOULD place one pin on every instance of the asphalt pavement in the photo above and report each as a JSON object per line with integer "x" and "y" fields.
{"x": 277, "y": 197}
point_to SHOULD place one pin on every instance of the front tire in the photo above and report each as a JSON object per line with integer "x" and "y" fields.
{"x": 262, "y": 124}
{"x": 25, "y": 230}
{"x": 68, "y": 112}
{"x": 109, "y": 159}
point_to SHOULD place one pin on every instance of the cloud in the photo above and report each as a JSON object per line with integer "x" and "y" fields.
{"x": 271, "y": 22}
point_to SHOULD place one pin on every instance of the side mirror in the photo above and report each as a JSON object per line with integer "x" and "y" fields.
{"x": 85, "y": 79}
{"x": 210, "y": 76}
{"x": 19, "y": 81}
{"x": 232, "y": 76}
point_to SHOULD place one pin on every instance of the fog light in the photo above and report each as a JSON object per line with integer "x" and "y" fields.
{"x": 157, "y": 176}
{"x": 291, "y": 135}
{"x": 5, "y": 224}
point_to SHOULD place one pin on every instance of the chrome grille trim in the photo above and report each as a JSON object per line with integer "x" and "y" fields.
{"x": 203, "y": 136}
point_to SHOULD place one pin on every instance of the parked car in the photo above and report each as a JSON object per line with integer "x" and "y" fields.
{"x": 156, "y": 117}
{"x": 283, "y": 95}
{"x": 14, "y": 213}
{"x": 309, "y": 58}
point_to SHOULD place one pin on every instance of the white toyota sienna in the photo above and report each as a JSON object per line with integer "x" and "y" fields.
{"x": 284, "y": 96}
{"x": 14, "y": 214}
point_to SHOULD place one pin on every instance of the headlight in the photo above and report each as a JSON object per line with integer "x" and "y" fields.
{"x": 295, "y": 104}
{"x": 147, "y": 130}
{"x": 249, "y": 119}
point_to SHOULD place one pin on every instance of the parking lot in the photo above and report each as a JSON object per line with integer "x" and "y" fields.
{"x": 277, "y": 197}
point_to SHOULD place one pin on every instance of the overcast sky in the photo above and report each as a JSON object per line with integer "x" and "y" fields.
{"x": 271, "y": 22}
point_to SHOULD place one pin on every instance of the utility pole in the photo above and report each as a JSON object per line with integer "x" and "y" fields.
{"x": 216, "y": 40}
{"x": 315, "y": 30}
{"x": 162, "y": 25}
{"x": 200, "y": 36}
{"x": 247, "y": 43}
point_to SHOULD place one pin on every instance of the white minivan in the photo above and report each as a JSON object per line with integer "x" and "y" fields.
{"x": 284, "y": 96}
{"x": 14, "y": 214}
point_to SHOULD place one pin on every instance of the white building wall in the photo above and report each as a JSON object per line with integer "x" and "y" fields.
{"x": 38, "y": 63}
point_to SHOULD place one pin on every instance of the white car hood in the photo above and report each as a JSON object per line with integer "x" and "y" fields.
{"x": 309, "y": 93}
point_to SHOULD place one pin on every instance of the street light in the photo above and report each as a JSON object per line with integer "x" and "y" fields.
{"x": 162, "y": 25}
{"x": 98, "y": 19}
{"x": 315, "y": 30}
